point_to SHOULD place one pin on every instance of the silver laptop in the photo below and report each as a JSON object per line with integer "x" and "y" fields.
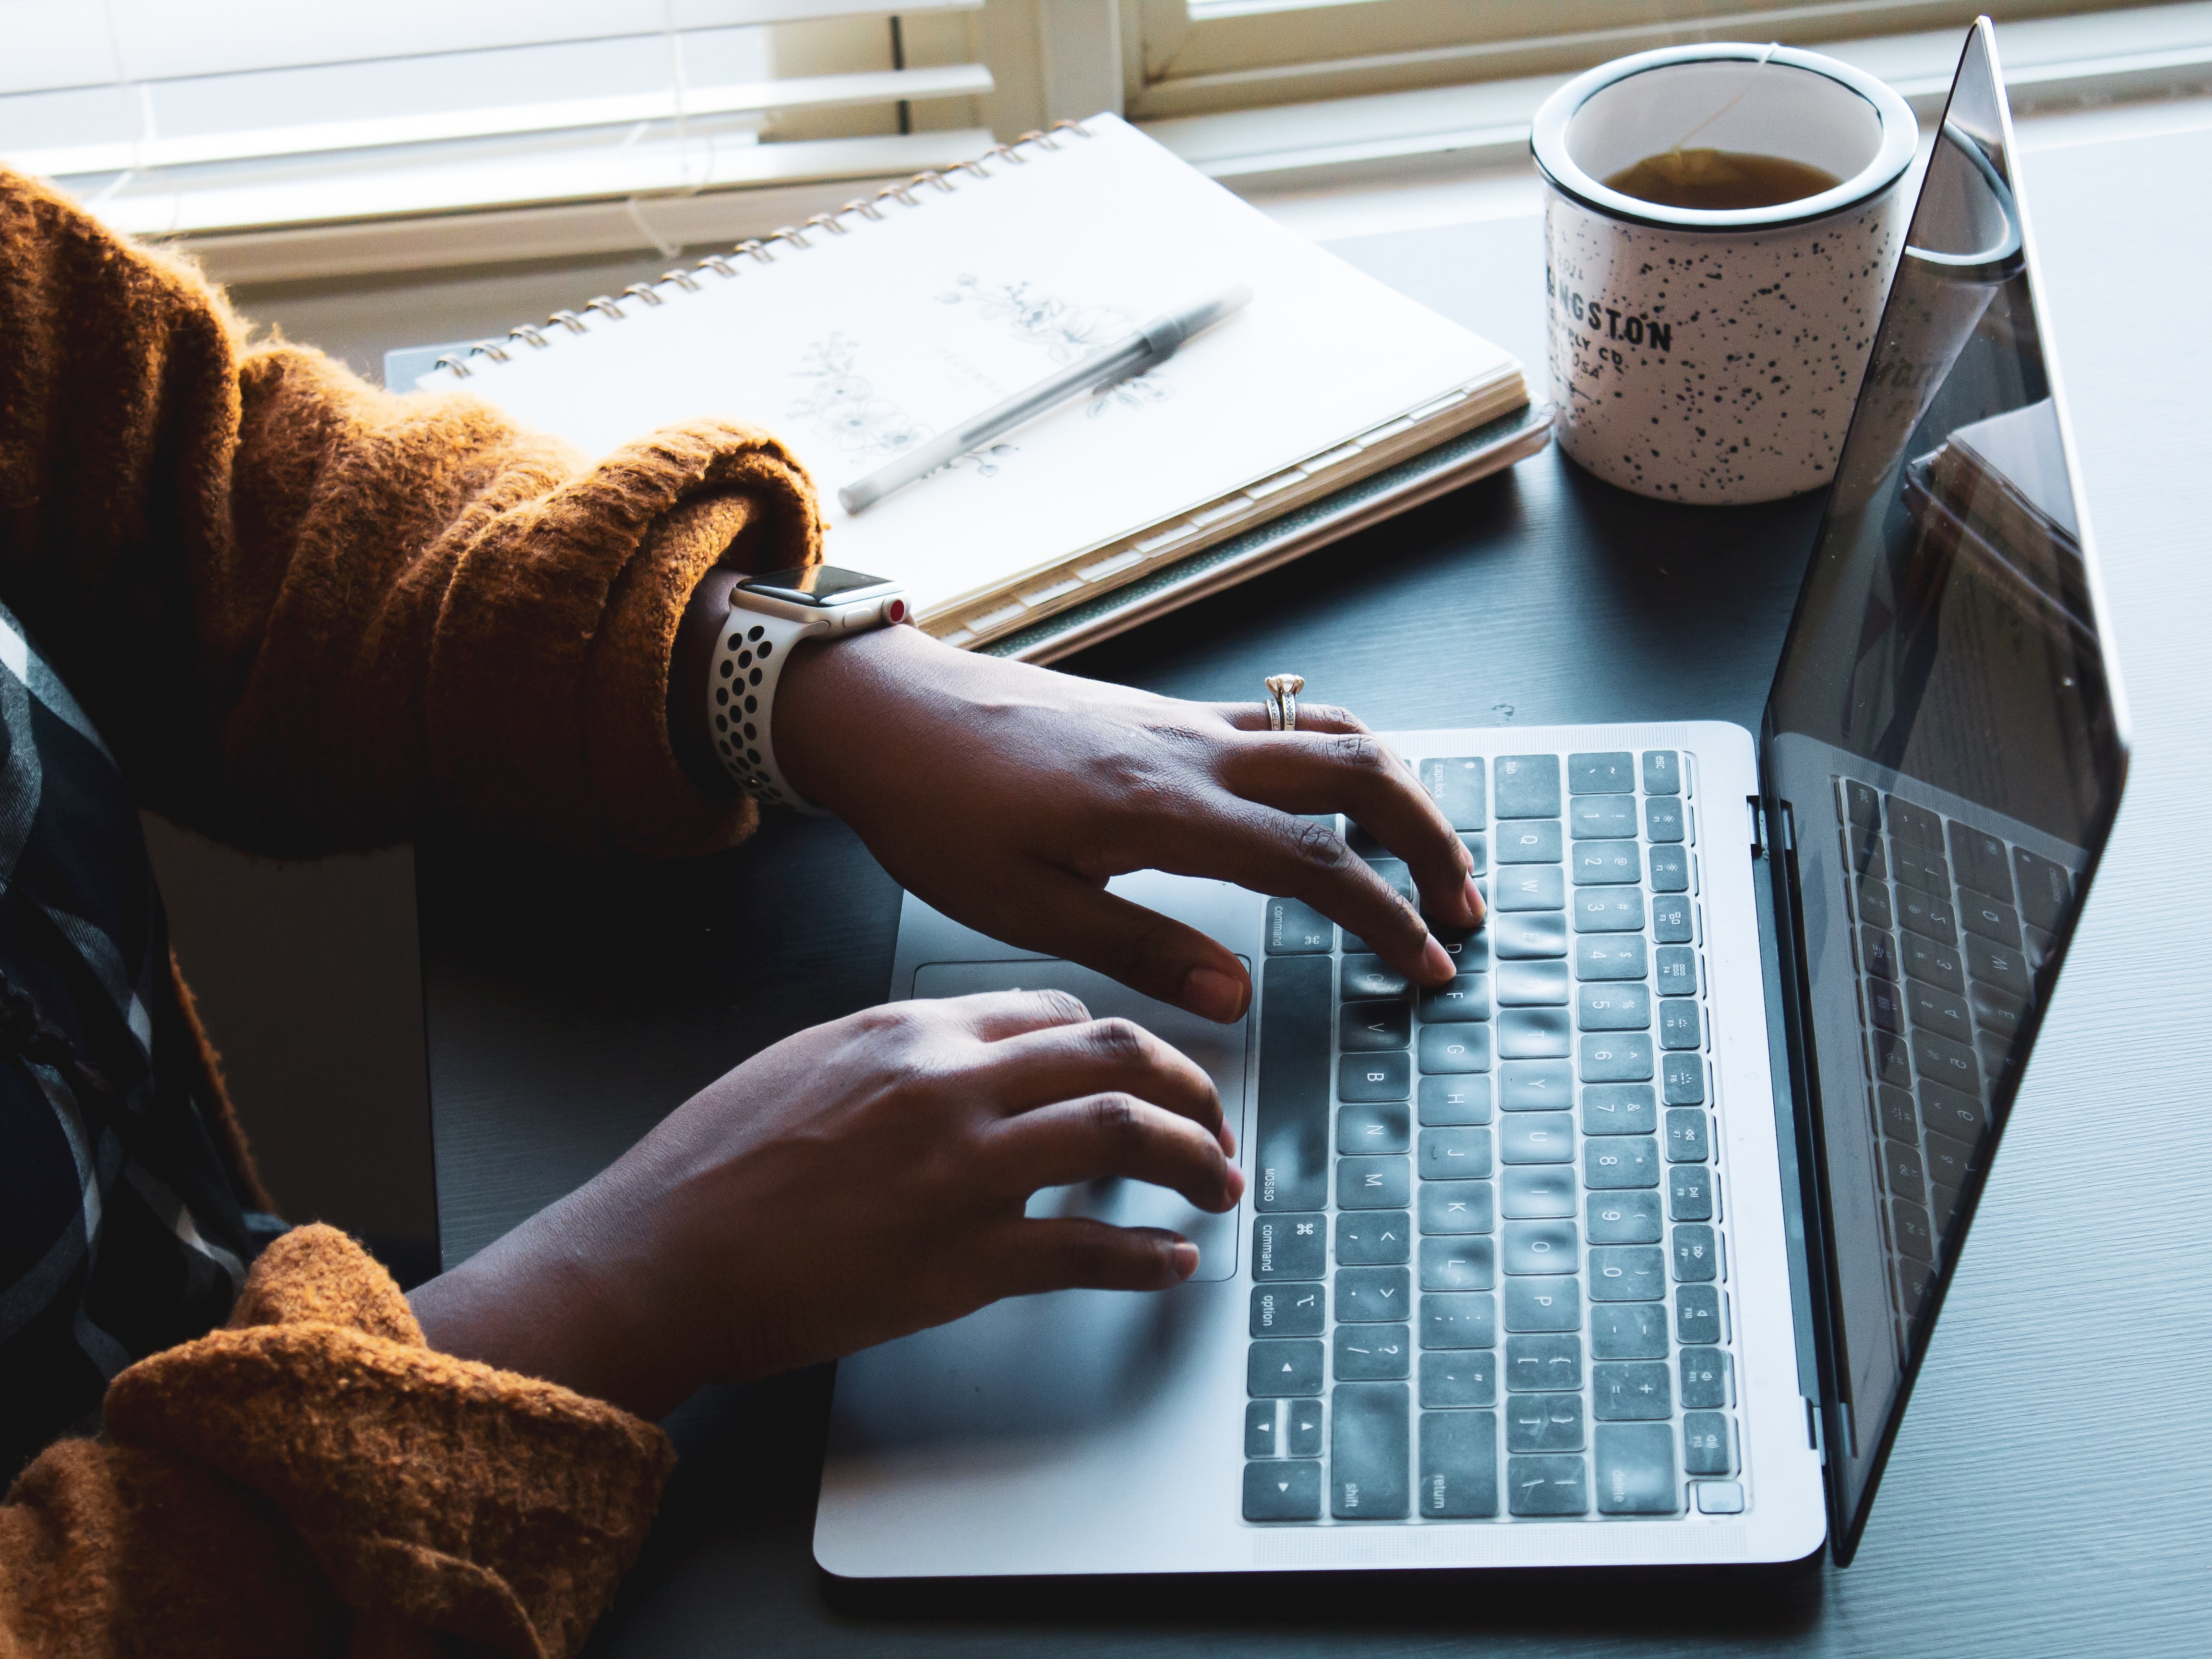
{"x": 1625, "y": 1248}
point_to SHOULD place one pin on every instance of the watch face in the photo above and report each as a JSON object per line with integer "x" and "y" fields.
{"x": 821, "y": 585}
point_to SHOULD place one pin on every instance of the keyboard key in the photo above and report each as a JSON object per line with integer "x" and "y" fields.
{"x": 1363, "y": 1027}
{"x": 1914, "y": 824}
{"x": 1537, "y": 1192}
{"x": 1536, "y": 1138}
{"x": 1993, "y": 919}
{"x": 1531, "y": 984}
{"x": 1296, "y": 929}
{"x": 1627, "y": 1272}
{"x": 1624, "y": 1217}
{"x": 1371, "y": 1238}
{"x": 1662, "y": 821}
{"x": 1946, "y": 1062}
{"x": 1546, "y": 1485}
{"x": 1689, "y": 1139}
{"x": 1885, "y": 1004}
{"x": 1535, "y": 1086}
{"x": 1368, "y": 1296}
{"x": 1949, "y": 1112}
{"x": 1456, "y": 785}
{"x": 1630, "y": 1392}
{"x": 1705, "y": 1380}
{"x": 1446, "y": 1100}
{"x": 1606, "y": 863}
{"x": 1260, "y": 1428}
{"x": 1995, "y": 1055}
{"x": 1708, "y": 1444}
{"x": 1361, "y": 1078}
{"x": 1543, "y": 1422}
{"x": 1895, "y": 1109}
{"x": 1689, "y": 1193}
{"x": 1636, "y": 1469}
{"x": 1369, "y": 1443}
{"x": 1529, "y": 937}
{"x": 1943, "y": 1208}
{"x": 1682, "y": 1079}
{"x": 1531, "y": 841}
{"x": 1670, "y": 921}
{"x": 1867, "y": 856}
{"x": 1529, "y": 887}
{"x": 1677, "y": 971}
{"x": 1628, "y": 1330}
{"x": 1609, "y": 956}
{"x": 1275, "y": 1369}
{"x": 1861, "y": 805}
{"x": 1290, "y": 1158}
{"x": 1458, "y": 1379}
{"x": 1620, "y": 1163}
{"x": 1541, "y": 1246}
{"x": 1679, "y": 1026}
{"x": 1527, "y": 786}
{"x": 1949, "y": 1161}
{"x": 1461, "y": 997}
{"x": 1478, "y": 852}
{"x": 1877, "y": 954}
{"x": 1374, "y": 1128}
{"x": 1622, "y": 1057}
{"x": 1930, "y": 963}
{"x": 1374, "y": 1183}
{"x": 1983, "y": 862}
{"x": 1697, "y": 1255}
{"x": 1892, "y": 1063}
{"x": 1367, "y": 976}
{"x": 1282, "y": 1492}
{"x": 1457, "y": 1207}
{"x": 1459, "y": 1320}
{"x": 1929, "y": 917}
{"x": 1996, "y": 1010}
{"x": 1608, "y": 774}
{"x": 1698, "y": 1314}
{"x": 1289, "y": 1246}
{"x": 1545, "y": 1363}
{"x": 1551, "y": 1303}
{"x": 1526, "y": 1034}
{"x": 1670, "y": 870}
{"x": 1619, "y": 1108}
{"x": 1455, "y": 1155}
{"x": 1612, "y": 1006}
{"x": 1458, "y": 1264}
{"x": 1995, "y": 965}
{"x": 1941, "y": 1011}
{"x": 2045, "y": 892}
{"x": 1455, "y": 1050}
{"x": 1608, "y": 910}
{"x": 1663, "y": 772}
{"x": 1470, "y": 952}
{"x": 1602, "y": 817}
{"x": 1459, "y": 1465}
{"x": 1910, "y": 1229}
{"x": 1371, "y": 1353}
{"x": 1287, "y": 1310}
{"x": 1304, "y": 1439}
{"x": 1872, "y": 898}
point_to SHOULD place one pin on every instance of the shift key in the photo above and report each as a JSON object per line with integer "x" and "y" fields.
{"x": 1370, "y": 1446}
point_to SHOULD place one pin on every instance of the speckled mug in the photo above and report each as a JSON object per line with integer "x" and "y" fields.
{"x": 1714, "y": 357}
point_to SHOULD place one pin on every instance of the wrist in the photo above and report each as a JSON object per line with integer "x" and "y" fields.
{"x": 691, "y": 669}
{"x": 832, "y": 689}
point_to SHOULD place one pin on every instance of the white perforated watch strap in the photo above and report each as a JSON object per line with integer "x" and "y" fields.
{"x": 748, "y": 658}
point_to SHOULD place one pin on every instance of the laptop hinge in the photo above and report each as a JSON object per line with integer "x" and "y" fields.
{"x": 1757, "y": 826}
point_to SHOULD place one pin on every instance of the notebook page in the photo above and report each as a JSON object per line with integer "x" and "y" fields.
{"x": 857, "y": 346}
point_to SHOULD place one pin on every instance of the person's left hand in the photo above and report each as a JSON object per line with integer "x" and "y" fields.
{"x": 1007, "y": 796}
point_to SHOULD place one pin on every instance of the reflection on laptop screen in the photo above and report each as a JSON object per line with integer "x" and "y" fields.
{"x": 1944, "y": 731}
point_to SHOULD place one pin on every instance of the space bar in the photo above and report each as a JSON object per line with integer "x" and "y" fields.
{"x": 1293, "y": 1155}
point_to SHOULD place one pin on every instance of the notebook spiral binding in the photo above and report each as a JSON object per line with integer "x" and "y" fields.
{"x": 722, "y": 265}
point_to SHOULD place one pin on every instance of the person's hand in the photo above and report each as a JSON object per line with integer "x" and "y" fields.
{"x": 1007, "y": 796}
{"x": 854, "y": 1183}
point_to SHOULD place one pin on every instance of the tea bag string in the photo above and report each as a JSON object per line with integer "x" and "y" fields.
{"x": 1772, "y": 46}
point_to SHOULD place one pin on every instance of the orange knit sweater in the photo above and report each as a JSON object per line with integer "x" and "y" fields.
{"x": 307, "y": 615}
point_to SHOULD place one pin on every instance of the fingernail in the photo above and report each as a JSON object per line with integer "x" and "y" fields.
{"x": 1214, "y": 995}
{"x": 1185, "y": 1258}
{"x": 1473, "y": 904}
{"x": 1436, "y": 963}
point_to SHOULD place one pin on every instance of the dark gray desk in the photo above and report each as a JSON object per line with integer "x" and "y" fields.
{"x": 2044, "y": 1497}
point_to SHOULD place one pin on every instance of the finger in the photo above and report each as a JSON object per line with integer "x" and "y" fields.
{"x": 1110, "y": 1134}
{"x": 1357, "y": 774}
{"x": 1044, "y": 1067}
{"x": 1144, "y": 950}
{"x": 1312, "y": 717}
{"x": 1071, "y": 1253}
{"x": 995, "y": 1015}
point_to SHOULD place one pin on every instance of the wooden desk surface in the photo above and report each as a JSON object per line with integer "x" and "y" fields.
{"x": 2045, "y": 1497}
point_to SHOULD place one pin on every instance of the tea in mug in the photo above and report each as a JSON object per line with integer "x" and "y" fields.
{"x": 1720, "y": 180}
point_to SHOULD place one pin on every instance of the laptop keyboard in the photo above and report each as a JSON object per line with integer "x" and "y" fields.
{"x": 1952, "y": 924}
{"x": 1490, "y": 1269}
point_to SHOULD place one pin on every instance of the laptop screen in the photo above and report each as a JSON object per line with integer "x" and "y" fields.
{"x": 1945, "y": 735}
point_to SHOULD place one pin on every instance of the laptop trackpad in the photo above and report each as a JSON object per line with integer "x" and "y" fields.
{"x": 1219, "y": 1049}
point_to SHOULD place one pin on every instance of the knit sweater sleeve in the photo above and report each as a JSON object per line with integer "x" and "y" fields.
{"x": 307, "y": 615}
{"x": 313, "y": 1479}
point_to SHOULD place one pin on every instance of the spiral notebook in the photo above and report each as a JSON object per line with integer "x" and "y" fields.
{"x": 1330, "y": 401}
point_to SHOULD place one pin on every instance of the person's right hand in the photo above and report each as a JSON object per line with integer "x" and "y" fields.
{"x": 856, "y": 1182}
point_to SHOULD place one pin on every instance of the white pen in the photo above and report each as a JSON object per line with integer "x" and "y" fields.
{"x": 1143, "y": 349}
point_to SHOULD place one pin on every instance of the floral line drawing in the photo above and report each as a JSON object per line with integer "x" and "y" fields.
{"x": 842, "y": 405}
{"x": 1065, "y": 331}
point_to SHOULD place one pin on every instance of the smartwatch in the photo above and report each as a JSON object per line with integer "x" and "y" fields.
{"x": 769, "y": 615}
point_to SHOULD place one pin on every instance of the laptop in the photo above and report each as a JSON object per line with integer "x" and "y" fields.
{"x": 1625, "y": 1248}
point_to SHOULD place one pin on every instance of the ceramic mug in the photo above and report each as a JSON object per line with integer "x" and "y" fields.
{"x": 1714, "y": 356}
